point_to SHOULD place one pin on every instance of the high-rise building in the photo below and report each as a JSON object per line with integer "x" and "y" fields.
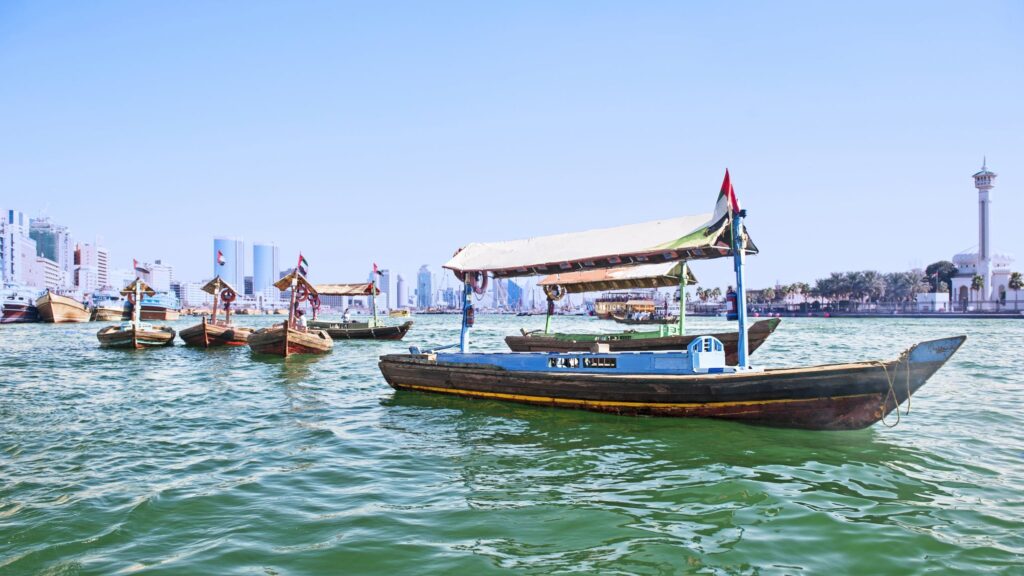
{"x": 160, "y": 276}
{"x": 265, "y": 263}
{"x": 92, "y": 268}
{"x": 54, "y": 242}
{"x": 47, "y": 274}
{"x": 401, "y": 296}
{"x": 248, "y": 286}
{"x": 386, "y": 297}
{"x": 17, "y": 249}
{"x": 424, "y": 292}
{"x": 515, "y": 296}
{"x": 229, "y": 261}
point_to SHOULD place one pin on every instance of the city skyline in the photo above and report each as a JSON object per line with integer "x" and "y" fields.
{"x": 513, "y": 140}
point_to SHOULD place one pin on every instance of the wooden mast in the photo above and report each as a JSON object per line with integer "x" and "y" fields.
{"x": 682, "y": 300}
{"x": 216, "y": 297}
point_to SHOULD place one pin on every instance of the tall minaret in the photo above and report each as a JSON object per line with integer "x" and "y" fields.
{"x": 983, "y": 182}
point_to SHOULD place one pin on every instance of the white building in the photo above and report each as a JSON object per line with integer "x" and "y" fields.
{"x": 47, "y": 274}
{"x": 992, "y": 267}
{"x": 92, "y": 270}
{"x": 17, "y": 249}
{"x": 160, "y": 276}
{"x": 54, "y": 242}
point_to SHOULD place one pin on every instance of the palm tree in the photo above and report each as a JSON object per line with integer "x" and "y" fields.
{"x": 769, "y": 294}
{"x": 1015, "y": 284}
{"x": 716, "y": 293}
{"x": 977, "y": 283}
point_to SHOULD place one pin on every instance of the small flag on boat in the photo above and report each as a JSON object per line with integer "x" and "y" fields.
{"x": 220, "y": 258}
{"x": 729, "y": 193}
{"x": 135, "y": 264}
{"x": 376, "y": 271}
{"x": 303, "y": 264}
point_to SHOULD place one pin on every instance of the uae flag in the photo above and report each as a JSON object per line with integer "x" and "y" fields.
{"x": 303, "y": 264}
{"x": 376, "y": 271}
{"x": 220, "y": 258}
{"x": 728, "y": 194}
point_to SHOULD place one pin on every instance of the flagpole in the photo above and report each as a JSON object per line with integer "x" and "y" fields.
{"x": 467, "y": 303}
{"x": 741, "y": 292}
{"x": 682, "y": 300}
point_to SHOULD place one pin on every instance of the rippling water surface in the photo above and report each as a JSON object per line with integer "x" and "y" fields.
{"x": 179, "y": 461}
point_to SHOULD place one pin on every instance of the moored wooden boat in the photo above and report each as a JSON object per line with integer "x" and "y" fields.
{"x": 135, "y": 334}
{"x": 110, "y": 313}
{"x": 833, "y": 397}
{"x": 55, "y": 308}
{"x": 400, "y": 313}
{"x": 352, "y": 330}
{"x": 18, "y": 305}
{"x": 211, "y": 331}
{"x": 130, "y": 335}
{"x": 693, "y": 383}
{"x": 644, "y": 319}
{"x": 291, "y": 336}
{"x": 637, "y": 341}
{"x": 347, "y": 329}
{"x": 282, "y": 340}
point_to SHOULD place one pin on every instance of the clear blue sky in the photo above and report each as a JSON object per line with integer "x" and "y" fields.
{"x": 398, "y": 132}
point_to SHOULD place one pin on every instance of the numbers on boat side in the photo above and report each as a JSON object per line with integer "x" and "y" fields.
{"x": 574, "y": 362}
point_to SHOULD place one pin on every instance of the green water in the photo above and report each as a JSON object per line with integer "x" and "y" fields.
{"x": 183, "y": 461}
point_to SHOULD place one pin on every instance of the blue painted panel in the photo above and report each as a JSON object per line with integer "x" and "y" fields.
{"x": 623, "y": 362}
{"x": 936, "y": 350}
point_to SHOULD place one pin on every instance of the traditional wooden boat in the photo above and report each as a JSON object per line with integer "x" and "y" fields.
{"x": 644, "y": 318}
{"x": 400, "y": 313}
{"x": 638, "y": 341}
{"x": 347, "y": 329}
{"x": 136, "y": 334}
{"x": 650, "y": 276}
{"x": 692, "y": 383}
{"x": 56, "y": 308}
{"x": 289, "y": 337}
{"x": 214, "y": 332}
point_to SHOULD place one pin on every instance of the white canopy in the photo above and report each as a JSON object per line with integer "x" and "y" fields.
{"x": 697, "y": 237}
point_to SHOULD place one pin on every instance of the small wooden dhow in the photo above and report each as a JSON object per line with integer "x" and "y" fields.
{"x": 400, "y": 313}
{"x": 372, "y": 329}
{"x": 692, "y": 383}
{"x": 667, "y": 337}
{"x": 213, "y": 332}
{"x": 58, "y": 309}
{"x": 289, "y": 338}
{"x": 136, "y": 334}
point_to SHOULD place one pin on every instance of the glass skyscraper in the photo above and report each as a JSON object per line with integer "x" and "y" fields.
{"x": 229, "y": 261}
{"x": 265, "y": 265}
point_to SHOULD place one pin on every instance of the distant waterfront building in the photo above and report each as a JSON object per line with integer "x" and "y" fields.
{"x": 450, "y": 298}
{"x": 265, "y": 264}
{"x": 384, "y": 285}
{"x": 424, "y": 292}
{"x": 17, "y": 249}
{"x": 92, "y": 268}
{"x": 121, "y": 277}
{"x": 229, "y": 261}
{"x": 993, "y": 268}
{"x": 248, "y": 286}
{"x": 401, "y": 296}
{"x": 47, "y": 274}
{"x": 515, "y": 296}
{"x": 191, "y": 294}
{"x": 158, "y": 275}
{"x": 54, "y": 242}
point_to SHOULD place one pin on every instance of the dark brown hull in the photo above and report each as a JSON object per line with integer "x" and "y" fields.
{"x": 280, "y": 341}
{"x": 337, "y": 331}
{"x": 117, "y": 337}
{"x": 19, "y": 314}
{"x": 834, "y": 397}
{"x": 110, "y": 314}
{"x": 756, "y": 335}
{"x": 208, "y": 335}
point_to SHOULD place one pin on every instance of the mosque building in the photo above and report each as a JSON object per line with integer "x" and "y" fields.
{"x": 992, "y": 267}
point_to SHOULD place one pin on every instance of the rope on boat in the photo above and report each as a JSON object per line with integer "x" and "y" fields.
{"x": 891, "y": 379}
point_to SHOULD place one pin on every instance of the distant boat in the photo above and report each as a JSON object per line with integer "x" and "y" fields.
{"x": 372, "y": 329}
{"x": 110, "y": 306}
{"x": 213, "y": 332}
{"x": 135, "y": 334}
{"x": 400, "y": 313}
{"x": 59, "y": 309}
{"x": 18, "y": 305}
{"x": 161, "y": 306}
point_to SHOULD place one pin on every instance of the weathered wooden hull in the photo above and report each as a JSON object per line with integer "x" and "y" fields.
{"x": 159, "y": 313}
{"x": 61, "y": 309}
{"x": 338, "y": 331}
{"x": 14, "y": 313}
{"x": 208, "y": 335}
{"x": 138, "y": 339}
{"x": 757, "y": 333}
{"x": 279, "y": 340}
{"x": 831, "y": 397}
{"x": 111, "y": 314}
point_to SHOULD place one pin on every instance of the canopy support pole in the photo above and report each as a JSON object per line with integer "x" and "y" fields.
{"x": 547, "y": 319}
{"x": 467, "y": 303}
{"x": 137, "y": 309}
{"x": 739, "y": 253}
{"x": 373, "y": 295}
{"x": 682, "y": 300}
